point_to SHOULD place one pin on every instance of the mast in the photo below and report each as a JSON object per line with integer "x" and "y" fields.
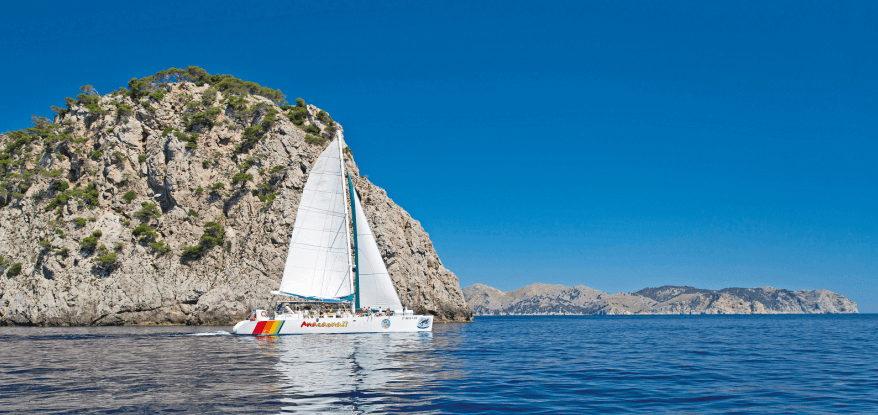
{"x": 356, "y": 249}
{"x": 346, "y": 215}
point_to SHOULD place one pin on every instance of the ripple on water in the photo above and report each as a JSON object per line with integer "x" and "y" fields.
{"x": 642, "y": 364}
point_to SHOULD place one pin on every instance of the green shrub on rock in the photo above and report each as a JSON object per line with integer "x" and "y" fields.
{"x": 228, "y": 85}
{"x": 268, "y": 198}
{"x": 269, "y": 119}
{"x": 250, "y": 137}
{"x": 160, "y": 247}
{"x": 14, "y": 270}
{"x": 60, "y": 111}
{"x": 147, "y": 211}
{"x": 297, "y": 114}
{"x": 60, "y": 185}
{"x": 90, "y": 195}
{"x": 241, "y": 177}
{"x": 213, "y": 235}
{"x": 90, "y": 100}
{"x": 60, "y": 199}
{"x": 208, "y": 97}
{"x": 123, "y": 111}
{"x": 203, "y": 120}
{"x": 192, "y": 251}
{"x": 145, "y": 232}
{"x": 312, "y": 129}
{"x": 189, "y": 139}
{"x": 89, "y": 242}
{"x": 246, "y": 164}
{"x": 129, "y": 196}
{"x": 314, "y": 139}
{"x": 324, "y": 116}
{"x": 105, "y": 257}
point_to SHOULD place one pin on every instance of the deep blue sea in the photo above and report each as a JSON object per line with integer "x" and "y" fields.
{"x": 595, "y": 364}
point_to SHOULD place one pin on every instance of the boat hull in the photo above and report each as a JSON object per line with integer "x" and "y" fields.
{"x": 359, "y": 324}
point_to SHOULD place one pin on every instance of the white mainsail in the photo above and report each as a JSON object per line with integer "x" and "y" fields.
{"x": 376, "y": 288}
{"x": 318, "y": 262}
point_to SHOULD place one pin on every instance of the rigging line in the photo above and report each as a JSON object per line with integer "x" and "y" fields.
{"x": 329, "y": 213}
{"x": 311, "y": 229}
{"x": 319, "y": 191}
{"x": 313, "y": 209}
{"x": 308, "y": 247}
{"x": 315, "y": 203}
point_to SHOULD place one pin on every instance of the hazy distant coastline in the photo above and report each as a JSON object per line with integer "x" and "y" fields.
{"x": 546, "y": 299}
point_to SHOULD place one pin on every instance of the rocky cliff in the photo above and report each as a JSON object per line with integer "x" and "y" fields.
{"x": 559, "y": 299}
{"x": 172, "y": 202}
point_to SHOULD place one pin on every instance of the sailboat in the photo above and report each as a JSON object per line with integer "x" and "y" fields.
{"x": 333, "y": 290}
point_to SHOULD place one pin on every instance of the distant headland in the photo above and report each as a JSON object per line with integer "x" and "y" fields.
{"x": 545, "y": 299}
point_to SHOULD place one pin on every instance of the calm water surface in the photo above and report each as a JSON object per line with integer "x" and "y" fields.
{"x": 642, "y": 364}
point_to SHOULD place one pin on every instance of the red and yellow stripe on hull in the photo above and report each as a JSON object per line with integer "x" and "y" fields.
{"x": 268, "y": 327}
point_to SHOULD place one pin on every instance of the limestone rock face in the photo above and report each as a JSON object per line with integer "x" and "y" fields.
{"x": 558, "y": 299}
{"x": 157, "y": 156}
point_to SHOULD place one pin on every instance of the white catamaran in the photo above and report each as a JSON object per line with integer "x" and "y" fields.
{"x": 343, "y": 296}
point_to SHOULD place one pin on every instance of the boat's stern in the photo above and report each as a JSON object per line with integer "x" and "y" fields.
{"x": 252, "y": 325}
{"x": 425, "y": 323}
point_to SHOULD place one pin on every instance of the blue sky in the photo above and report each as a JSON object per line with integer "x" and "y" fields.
{"x": 618, "y": 145}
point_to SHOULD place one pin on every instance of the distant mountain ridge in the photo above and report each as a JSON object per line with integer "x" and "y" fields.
{"x": 544, "y": 299}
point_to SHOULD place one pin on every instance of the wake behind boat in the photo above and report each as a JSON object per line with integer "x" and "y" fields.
{"x": 335, "y": 291}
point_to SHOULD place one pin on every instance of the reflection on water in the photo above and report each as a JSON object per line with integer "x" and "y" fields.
{"x": 351, "y": 373}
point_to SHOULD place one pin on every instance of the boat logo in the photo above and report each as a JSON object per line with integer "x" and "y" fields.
{"x": 386, "y": 323}
{"x": 423, "y": 323}
{"x": 324, "y": 324}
